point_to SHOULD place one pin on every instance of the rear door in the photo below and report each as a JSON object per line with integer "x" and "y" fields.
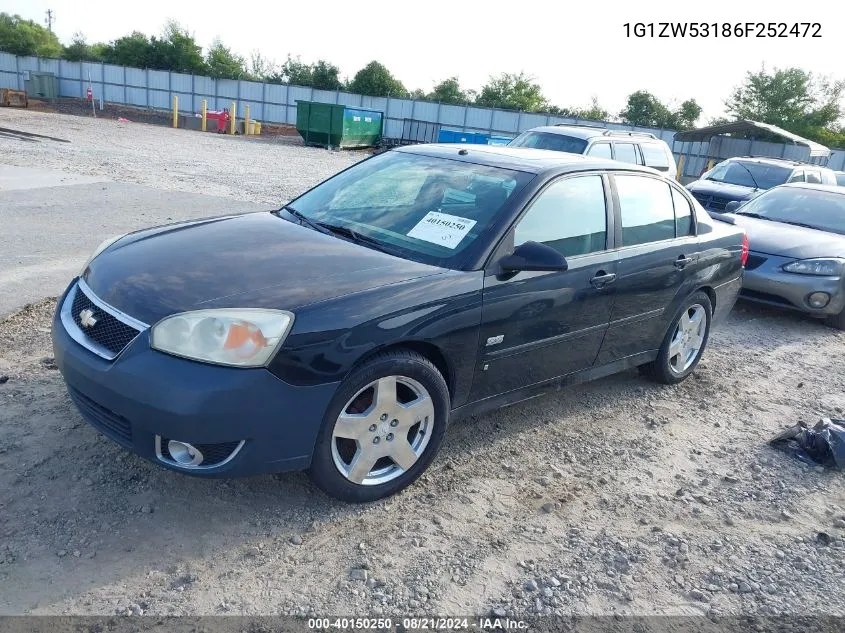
{"x": 540, "y": 325}
{"x": 659, "y": 251}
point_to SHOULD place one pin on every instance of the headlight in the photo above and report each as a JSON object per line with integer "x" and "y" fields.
{"x": 238, "y": 337}
{"x": 103, "y": 246}
{"x": 824, "y": 267}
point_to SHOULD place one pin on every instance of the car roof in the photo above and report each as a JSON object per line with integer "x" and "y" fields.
{"x": 586, "y": 132}
{"x": 771, "y": 160}
{"x": 534, "y": 161}
{"x": 812, "y": 185}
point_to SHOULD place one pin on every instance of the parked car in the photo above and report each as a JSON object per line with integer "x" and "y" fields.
{"x": 744, "y": 178}
{"x": 638, "y": 148}
{"x": 796, "y": 235}
{"x": 342, "y": 332}
{"x": 840, "y": 178}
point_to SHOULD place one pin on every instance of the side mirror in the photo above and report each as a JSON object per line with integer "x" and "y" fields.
{"x": 733, "y": 205}
{"x": 533, "y": 256}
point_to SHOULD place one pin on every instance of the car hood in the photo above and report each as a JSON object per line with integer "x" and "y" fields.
{"x": 723, "y": 190}
{"x": 257, "y": 260}
{"x": 777, "y": 238}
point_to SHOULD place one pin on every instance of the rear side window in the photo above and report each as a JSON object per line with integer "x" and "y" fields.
{"x": 648, "y": 214}
{"x": 840, "y": 180}
{"x": 655, "y": 156}
{"x": 813, "y": 176}
{"x": 798, "y": 176}
{"x": 626, "y": 152}
{"x": 602, "y": 150}
{"x": 683, "y": 214}
{"x": 569, "y": 215}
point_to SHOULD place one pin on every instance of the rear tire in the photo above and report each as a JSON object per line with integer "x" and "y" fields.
{"x": 684, "y": 342}
{"x": 382, "y": 429}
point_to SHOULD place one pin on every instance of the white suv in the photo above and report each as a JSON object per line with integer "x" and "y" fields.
{"x": 640, "y": 148}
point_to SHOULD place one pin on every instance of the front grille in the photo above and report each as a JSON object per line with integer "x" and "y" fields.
{"x": 754, "y": 261}
{"x": 711, "y": 202}
{"x": 212, "y": 454}
{"x": 108, "y": 331}
{"x": 110, "y": 424}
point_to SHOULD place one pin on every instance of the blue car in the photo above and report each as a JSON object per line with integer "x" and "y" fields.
{"x": 341, "y": 333}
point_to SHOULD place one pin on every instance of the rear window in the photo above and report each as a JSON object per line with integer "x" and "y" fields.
{"x": 550, "y": 140}
{"x": 655, "y": 156}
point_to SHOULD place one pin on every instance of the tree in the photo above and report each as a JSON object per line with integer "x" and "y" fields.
{"x": 791, "y": 98}
{"x": 513, "y": 92}
{"x": 177, "y": 50}
{"x": 644, "y": 109}
{"x": 134, "y": 49}
{"x": 25, "y": 37}
{"x": 448, "y": 91}
{"x": 223, "y": 63}
{"x": 262, "y": 68}
{"x": 375, "y": 80}
{"x": 80, "y": 51}
{"x": 325, "y": 76}
{"x": 297, "y": 72}
{"x": 593, "y": 112}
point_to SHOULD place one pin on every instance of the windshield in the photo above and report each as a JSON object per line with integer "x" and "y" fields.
{"x": 419, "y": 207}
{"x": 818, "y": 209}
{"x": 550, "y": 140}
{"x": 749, "y": 174}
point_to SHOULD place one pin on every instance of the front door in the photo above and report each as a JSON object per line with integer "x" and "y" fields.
{"x": 659, "y": 251}
{"x": 540, "y": 325}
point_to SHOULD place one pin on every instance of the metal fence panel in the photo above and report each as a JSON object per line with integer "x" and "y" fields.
{"x": 158, "y": 80}
{"x": 136, "y": 77}
{"x": 160, "y": 99}
{"x": 452, "y": 115}
{"x": 180, "y": 82}
{"x": 50, "y": 66}
{"x": 532, "y": 120}
{"x": 276, "y": 94}
{"x": 252, "y": 90}
{"x": 227, "y": 88}
{"x": 401, "y": 109}
{"x": 27, "y": 63}
{"x": 393, "y": 128}
{"x": 136, "y": 96}
{"x": 256, "y": 111}
{"x": 203, "y": 86}
{"x": 274, "y": 113}
{"x": 479, "y": 119}
{"x": 112, "y": 93}
{"x": 324, "y": 96}
{"x": 507, "y": 122}
{"x": 113, "y": 74}
{"x": 8, "y": 63}
{"x": 347, "y": 98}
{"x": 298, "y": 93}
{"x": 8, "y": 80}
{"x": 374, "y": 103}
{"x": 426, "y": 111}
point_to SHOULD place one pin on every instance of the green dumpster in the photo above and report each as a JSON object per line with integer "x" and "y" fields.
{"x": 338, "y": 125}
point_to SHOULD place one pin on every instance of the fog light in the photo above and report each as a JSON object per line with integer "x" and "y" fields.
{"x": 818, "y": 299}
{"x": 184, "y": 454}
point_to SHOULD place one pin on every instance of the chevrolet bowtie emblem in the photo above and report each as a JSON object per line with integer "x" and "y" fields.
{"x": 87, "y": 319}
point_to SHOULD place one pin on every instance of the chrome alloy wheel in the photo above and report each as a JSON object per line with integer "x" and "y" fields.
{"x": 383, "y": 430}
{"x": 688, "y": 338}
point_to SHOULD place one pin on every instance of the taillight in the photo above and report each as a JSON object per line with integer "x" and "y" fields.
{"x": 744, "y": 256}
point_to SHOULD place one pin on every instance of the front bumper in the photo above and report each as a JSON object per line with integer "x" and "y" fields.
{"x": 766, "y": 282}
{"x": 144, "y": 395}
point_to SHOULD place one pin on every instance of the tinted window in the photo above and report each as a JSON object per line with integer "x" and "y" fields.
{"x": 602, "y": 150}
{"x": 824, "y": 210}
{"x": 420, "y": 207}
{"x": 655, "y": 156}
{"x": 550, "y": 140}
{"x": 750, "y": 174}
{"x": 813, "y": 176}
{"x": 626, "y": 152}
{"x": 683, "y": 213}
{"x": 647, "y": 211}
{"x": 569, "y": 216}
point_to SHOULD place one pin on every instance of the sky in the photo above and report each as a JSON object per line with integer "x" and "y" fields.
{"x": 573, "y": 52}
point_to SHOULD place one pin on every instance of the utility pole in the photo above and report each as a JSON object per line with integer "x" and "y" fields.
{"x": 49, "y": 20}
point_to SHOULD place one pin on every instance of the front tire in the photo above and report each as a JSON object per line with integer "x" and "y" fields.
{"x": 684, "y": 342}
{"x": 836, "y": 320}
{"x": 382, "y": 428}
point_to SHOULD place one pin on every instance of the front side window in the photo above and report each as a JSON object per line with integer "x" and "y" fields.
{"x": 421, "y": 207}
{"x": 569, "y": 215}
{"x": 550, "y": 140}
{"x": 647, "y": 210}
{"x": 626, "y": 152}
{"x": 655, "y": 156}
{"x": 600, "y": 150}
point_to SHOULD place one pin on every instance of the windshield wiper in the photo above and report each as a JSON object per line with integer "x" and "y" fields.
{"x": 753, "y": 179}
{"x": 751, "y": 214}
{"x": 354, "y": 235}
{"x": 303, "y": 219}
{"x": 806, "y": 226}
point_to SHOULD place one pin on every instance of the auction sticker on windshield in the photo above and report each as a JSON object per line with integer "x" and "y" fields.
{"x": 442, "y": 228}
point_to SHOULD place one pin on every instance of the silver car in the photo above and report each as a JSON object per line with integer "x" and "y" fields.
{"x": 796, "y": 236}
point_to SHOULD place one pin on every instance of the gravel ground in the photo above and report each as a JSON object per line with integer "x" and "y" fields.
{"x": 614, "y": 497}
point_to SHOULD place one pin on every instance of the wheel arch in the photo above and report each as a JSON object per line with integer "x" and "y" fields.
{"x": 426, "y": 349}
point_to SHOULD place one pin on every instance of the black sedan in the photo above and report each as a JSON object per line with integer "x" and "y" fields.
{"x": 342, "y": 332}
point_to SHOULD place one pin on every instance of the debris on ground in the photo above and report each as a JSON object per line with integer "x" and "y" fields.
{"x": 823, "y": 444}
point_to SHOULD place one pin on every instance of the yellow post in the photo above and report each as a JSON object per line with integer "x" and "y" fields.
{"x": 233, "y": 116}
{"x": 246, "y": 120}
{"x": 710, "y": 164}
{"x": 680, "y": 169}
{"x": 175, "y": 110}
{"x": 204, "y": 113}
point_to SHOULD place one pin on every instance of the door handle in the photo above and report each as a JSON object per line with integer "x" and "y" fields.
{"x": 602, "y": 279}
{"x": 683, "y": 260}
